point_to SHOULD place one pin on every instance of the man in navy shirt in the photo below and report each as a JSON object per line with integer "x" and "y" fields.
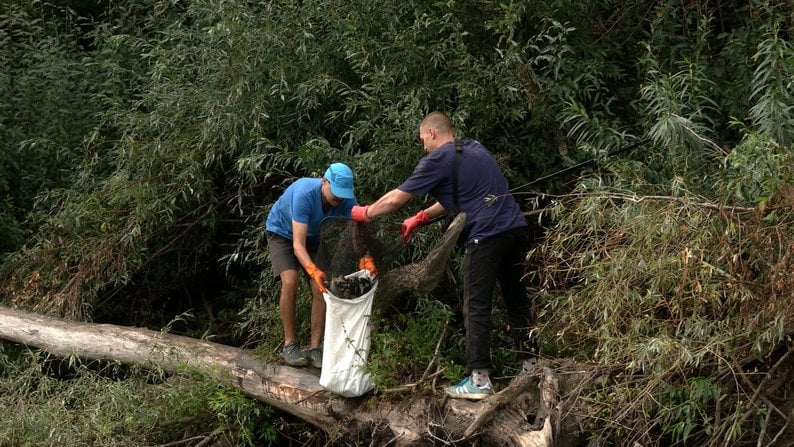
{"x": 293, "y": 238}
{"x": 496, "y": 241}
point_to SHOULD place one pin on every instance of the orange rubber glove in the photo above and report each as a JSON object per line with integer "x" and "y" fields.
{"x": 359, "y": 214}
{"x": 412, "y": 223}
{"x": 368, "y": 263}
{"x": 317, "y": 275}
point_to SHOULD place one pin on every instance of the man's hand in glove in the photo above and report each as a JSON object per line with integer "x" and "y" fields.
{"x": 368, "y": 263}
{"x": 412, "y": 223}
{"x": 359, "y": 214}
{"x": 317, "y": 275}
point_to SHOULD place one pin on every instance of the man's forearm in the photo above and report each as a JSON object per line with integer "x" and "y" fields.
{"x": 388, "y": 203}
{"x": 435, "y": 210}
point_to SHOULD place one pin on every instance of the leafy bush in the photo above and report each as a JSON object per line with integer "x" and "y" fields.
{"x": 138, "y": 189}
{"x": 40, "y": 138}
{"x": 662, "y": 289}
{"x": 66, "y": 402}
{"x": 414, "y": 347}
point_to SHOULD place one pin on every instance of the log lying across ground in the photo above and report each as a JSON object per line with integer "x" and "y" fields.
{"x": 525, "y": 413}
{"x": 421, "y": 419}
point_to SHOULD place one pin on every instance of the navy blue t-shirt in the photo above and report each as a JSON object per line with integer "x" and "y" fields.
{"x": 479, "y": 179}
{"x": 302, "y": 202}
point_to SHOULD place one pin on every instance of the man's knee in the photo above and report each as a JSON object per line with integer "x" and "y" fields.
{"x": 289, "y": 281}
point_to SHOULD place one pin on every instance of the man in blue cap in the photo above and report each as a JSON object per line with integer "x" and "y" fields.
{"x": 293, "y": 238}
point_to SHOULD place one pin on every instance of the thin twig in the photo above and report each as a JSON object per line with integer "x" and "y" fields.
{"x": 761, "y": 386}
{"x": 184, "y": 441}
{"x": 639, "y": 199}
{"x": 702, "y": 139}
{"x": 538, "y": 211}
{"x": 436, "y": 375}
{"x": 406, "y": 387}
{"x": 309, "y": 396}
{"x": 782, "y": 430}
{"x": 206, "y": 441}
{"x": 435, "y": 353}
{"x": 761, "y": 435}
{"x": 720, "y": 271}
{"x": 436, "y": 438}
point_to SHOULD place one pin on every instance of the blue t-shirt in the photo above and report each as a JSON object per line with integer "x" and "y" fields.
{"x": 479, "y": 178}
{"x": 302, "y": 201}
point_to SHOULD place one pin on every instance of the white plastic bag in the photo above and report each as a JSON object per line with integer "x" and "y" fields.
{"x": 346, "y": 343}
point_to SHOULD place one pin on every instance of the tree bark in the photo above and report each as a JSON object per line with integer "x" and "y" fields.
{"x": 423, "y": 276}
{"x": 420, "y": 420}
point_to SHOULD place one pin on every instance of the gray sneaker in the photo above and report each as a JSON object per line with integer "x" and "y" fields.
{"x": 315, "y": 357}
{"x": 293, "y": 356}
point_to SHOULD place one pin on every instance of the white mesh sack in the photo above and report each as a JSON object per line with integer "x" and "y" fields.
{"x": 346, "y": 342}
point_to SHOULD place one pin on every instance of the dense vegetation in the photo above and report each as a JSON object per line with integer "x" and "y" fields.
{"x": 142, "y": 142}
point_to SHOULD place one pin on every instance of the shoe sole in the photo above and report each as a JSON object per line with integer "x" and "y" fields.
{"x": 304, "y": 362}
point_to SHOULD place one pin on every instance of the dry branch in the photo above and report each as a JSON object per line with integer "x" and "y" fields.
{"x": 423, "y": 276}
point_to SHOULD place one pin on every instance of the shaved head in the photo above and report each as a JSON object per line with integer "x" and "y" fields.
{"x": 435, "y": 130}
{"x": 438, "y": 121}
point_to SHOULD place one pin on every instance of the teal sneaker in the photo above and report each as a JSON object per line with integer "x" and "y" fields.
{"x": 466, "y": 389}
{"x": 315, "y": 356}
{"x": 293, "y": 356}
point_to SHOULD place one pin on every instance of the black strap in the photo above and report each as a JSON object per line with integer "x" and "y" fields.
{"x": 455, "y": 172}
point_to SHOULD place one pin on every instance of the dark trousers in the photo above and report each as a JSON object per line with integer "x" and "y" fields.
{"x": 496, "y": 258}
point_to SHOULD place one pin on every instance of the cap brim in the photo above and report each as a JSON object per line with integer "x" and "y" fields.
{"x": 342, "y": 193}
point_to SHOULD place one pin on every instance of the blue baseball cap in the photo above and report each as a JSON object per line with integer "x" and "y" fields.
{"x": 340, "y": 176}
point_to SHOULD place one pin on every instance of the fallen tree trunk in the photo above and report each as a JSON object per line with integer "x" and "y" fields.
{"x": 525, "y": 413}
{"x": 423, "y": 276}
{"x": 422, "y": 419}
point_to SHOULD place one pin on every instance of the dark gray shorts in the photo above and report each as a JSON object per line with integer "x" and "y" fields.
{"x": 282, "y": 256}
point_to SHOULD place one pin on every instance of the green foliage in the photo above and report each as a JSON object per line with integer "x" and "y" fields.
{"x": 662, "y": 288}
{"x": 683, "y": 114}
{"x": 755, "y": 169}
{"x": 689, "y": 407}
{"x": 773, "y": 83}
{"x": 242, "y": 415}
{"x": 404, "y": 350}
{"x": 66, "y": 402}
{"x": 680, "y": 107}
{"x": 138, "y": 189}
{"x": 40, "y": 138}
